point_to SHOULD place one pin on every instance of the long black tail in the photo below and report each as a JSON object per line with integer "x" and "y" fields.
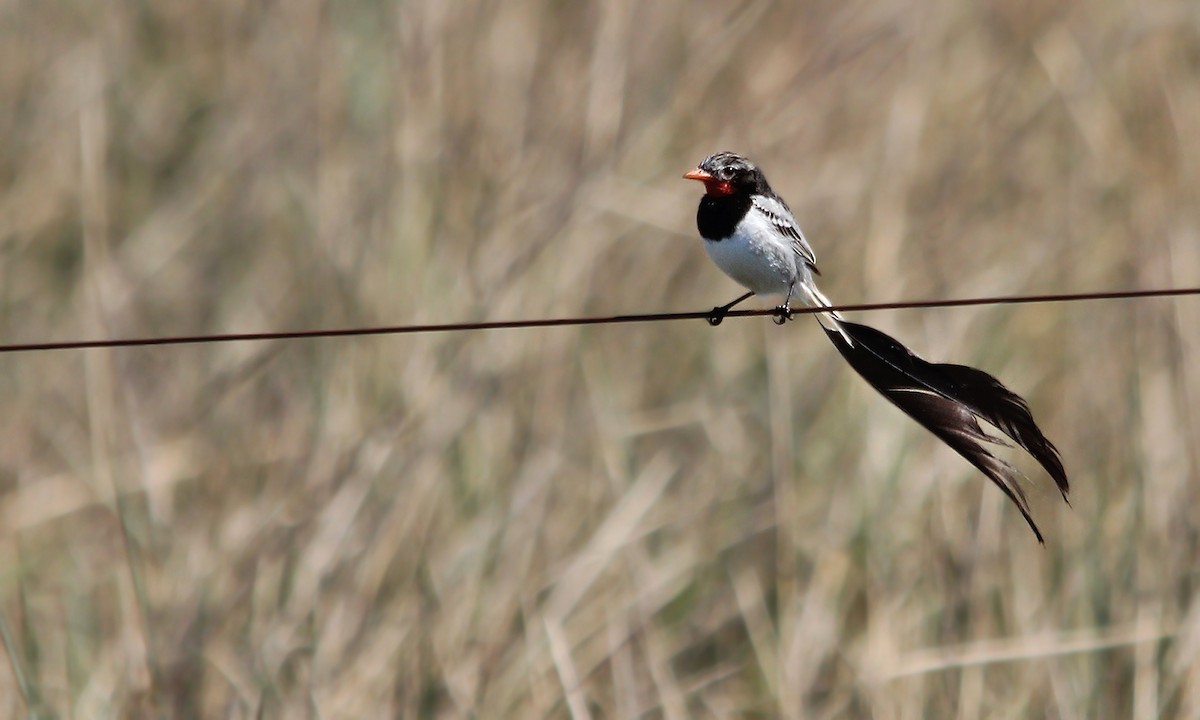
{"x": 946, "y": 399}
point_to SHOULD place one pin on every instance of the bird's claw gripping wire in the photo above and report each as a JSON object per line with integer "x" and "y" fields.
{"x": 782, "y": 314}
{"x": 718, "y": 313}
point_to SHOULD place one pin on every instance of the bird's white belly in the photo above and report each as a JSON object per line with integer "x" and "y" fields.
{"x": 762, "y": 266}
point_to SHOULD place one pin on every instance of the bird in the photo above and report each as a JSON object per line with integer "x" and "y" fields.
{"x": 752, "y": 236}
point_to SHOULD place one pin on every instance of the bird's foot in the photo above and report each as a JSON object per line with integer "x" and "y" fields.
{"x": 717, "y": 316}
{"x": 782, "y": 314}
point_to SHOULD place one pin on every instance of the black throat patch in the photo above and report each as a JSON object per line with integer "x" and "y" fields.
{"x": 719, "y": 214}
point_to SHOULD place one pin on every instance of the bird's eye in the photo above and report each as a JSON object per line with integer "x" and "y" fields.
{"x": 725, "y": 173}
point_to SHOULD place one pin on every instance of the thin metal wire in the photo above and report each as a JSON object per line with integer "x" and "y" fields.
{"x": 567, "y": 321}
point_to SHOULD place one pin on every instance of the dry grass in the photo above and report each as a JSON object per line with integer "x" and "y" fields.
{"x": 640, "y": 521}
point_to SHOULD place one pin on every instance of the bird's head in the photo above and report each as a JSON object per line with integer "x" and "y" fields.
{"x": 727, "y": 173}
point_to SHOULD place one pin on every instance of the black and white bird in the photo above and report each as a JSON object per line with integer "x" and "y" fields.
{"x": 750, "y": 233}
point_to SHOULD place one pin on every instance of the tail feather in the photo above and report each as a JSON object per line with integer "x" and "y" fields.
{"x": 829, "y": 320}
{"x": 946, "y": 400}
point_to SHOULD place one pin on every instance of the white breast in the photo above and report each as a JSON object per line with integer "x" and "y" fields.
{"x": 756, "y": 257}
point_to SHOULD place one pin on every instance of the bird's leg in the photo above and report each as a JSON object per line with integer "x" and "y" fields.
{"x": 718, "y": 313}
{"x": 783, "y": 313}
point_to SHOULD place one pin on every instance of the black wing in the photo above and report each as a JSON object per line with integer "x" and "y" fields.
{"x": 783, "y": 221}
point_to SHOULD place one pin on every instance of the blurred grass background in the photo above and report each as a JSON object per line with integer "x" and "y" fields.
{"x": 659, "y": 521}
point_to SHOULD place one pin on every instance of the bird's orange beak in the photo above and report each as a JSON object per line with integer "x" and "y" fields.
{"x": 712, "y": 185}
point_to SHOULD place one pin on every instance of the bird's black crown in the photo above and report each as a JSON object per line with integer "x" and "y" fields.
{"x": 736, "y": 170}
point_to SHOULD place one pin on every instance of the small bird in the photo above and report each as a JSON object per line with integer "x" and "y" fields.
{"x": 751, "y": 234}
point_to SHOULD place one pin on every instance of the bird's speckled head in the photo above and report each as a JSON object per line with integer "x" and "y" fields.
{"x": 727, "y": 173}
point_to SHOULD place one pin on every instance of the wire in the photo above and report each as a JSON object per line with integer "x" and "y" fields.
{"x": 567, "y": 321}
